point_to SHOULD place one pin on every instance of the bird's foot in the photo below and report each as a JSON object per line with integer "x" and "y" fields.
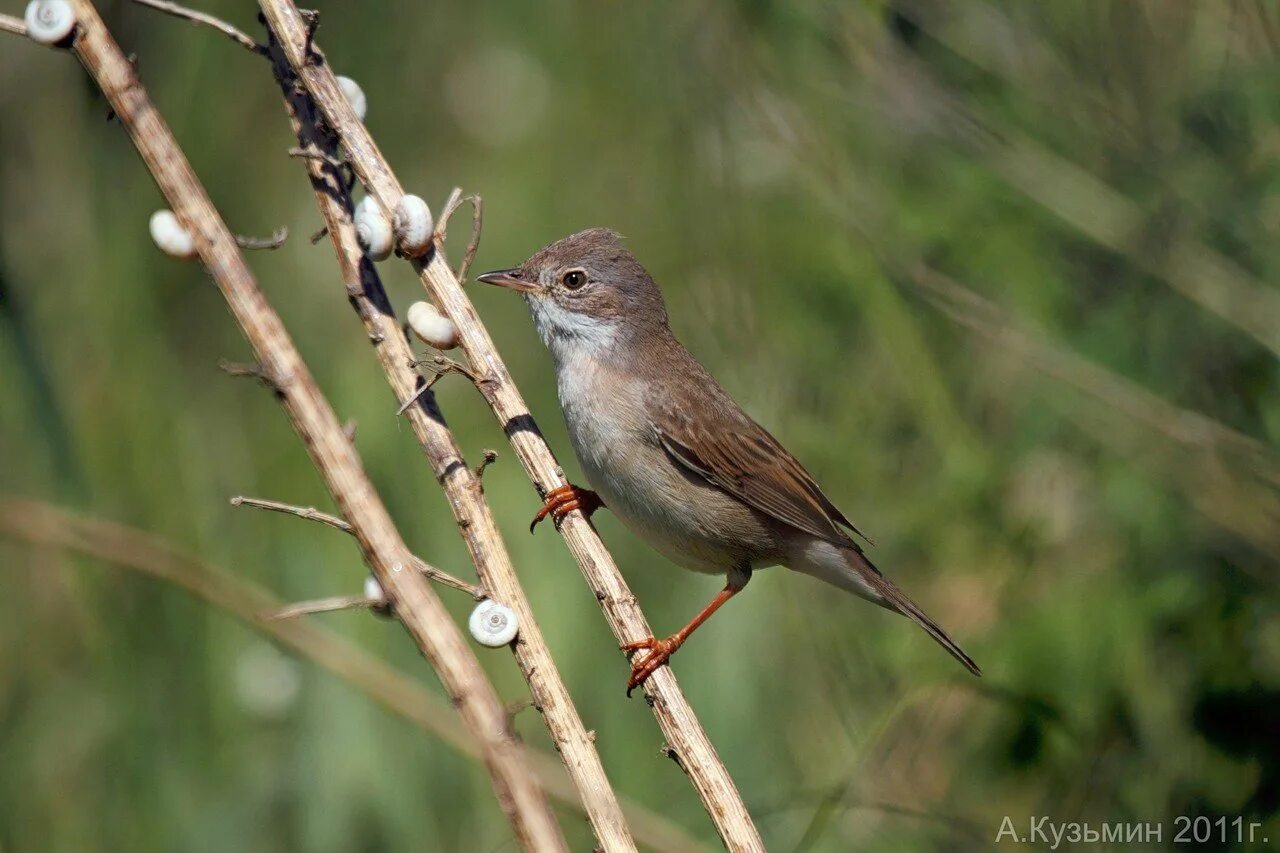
{"x": 660, "y": 651}
{"x": 564, "y": 500}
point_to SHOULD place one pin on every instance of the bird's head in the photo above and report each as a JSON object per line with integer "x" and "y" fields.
{"x": 586, "y": 292}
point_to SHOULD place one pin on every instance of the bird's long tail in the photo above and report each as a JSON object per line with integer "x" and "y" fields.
{"x": 849, "y": 569}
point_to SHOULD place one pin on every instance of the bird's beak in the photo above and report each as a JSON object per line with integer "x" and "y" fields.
{"x": 511, "y": 278}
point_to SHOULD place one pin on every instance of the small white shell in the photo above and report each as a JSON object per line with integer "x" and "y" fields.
{"x": 170, "y": 236}
{"x": 432, "y": 328}
{"x": 355, "y": 96}
{"x": 49, "y": 21}
{"x": 373, "y": 589}
{"x": 413, "y": 226}
{"x": 373, "y": 229}
{"x": 493, "y": 624}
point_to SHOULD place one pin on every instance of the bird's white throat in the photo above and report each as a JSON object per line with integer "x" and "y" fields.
{"x": 569, "y": 334}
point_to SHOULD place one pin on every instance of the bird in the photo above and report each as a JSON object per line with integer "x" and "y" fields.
{"x": 670, "y": 452}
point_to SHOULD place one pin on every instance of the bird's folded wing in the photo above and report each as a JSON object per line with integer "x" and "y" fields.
{"x": 739, "y": 456}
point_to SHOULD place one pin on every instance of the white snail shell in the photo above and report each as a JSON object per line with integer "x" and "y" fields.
{"x": 493, "y": 624}
{"x": 170, "y": 236}
{"x": 355, "y": 96}
{"x": 413, "y": 226}
{"x": 49, "y": 21}
{"x": 379, "y": 605}
{"x": 432, "y": 328}
{"x": 373, "y": 229}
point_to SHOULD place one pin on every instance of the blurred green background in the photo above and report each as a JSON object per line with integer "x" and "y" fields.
{"x": 1001, "y": 274}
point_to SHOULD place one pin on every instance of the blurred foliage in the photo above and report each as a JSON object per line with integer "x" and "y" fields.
{"x": 1100, "y": 531}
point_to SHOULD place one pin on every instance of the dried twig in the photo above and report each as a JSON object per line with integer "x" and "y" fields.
{"x": 445, "y": 365}
{"x": 308, "y": 512}
{"x": 275, "y": 241}
{"x": 316, "y": 154}
{"x": 322, "y": 605}
{"x": 679, "y": 724}
{"x": 490, "y": 457}
{"x": 195, "y": 17}
{"x": 311, "y": 513}
{"x": 451, "y": 206}
{"x": 461, "y": 484}
{"x": 416, "y": 604}
{"x": 10, "y": 24}
{"x": 46, "y": 525}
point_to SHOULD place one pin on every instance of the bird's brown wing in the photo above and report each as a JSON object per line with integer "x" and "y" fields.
{"x": 731, "y": 451}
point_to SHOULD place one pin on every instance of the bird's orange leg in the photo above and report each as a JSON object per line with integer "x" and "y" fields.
{"x": 564, "y": 500}
{"x": 661, "y": 650}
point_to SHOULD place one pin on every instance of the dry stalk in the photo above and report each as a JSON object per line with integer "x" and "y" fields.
{"x": 42, "y": 524}
{"x": 460, "y": 483}
{"x": 312, "y": 514}
{"x": 10, "y": 24}
{"x": 416, "y": 605}
{"x": 687, "y": 742}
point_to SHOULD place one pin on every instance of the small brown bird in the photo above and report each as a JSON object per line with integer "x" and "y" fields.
{"x": 669, "y": 451}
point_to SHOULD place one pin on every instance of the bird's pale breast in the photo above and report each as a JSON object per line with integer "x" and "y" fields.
{"x": 694, "y": 524}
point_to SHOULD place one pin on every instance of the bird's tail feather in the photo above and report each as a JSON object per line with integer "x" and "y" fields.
{"x": 908, "y": 608}
{"x": 854, "y": 572}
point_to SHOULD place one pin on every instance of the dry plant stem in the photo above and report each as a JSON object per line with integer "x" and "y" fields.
{"x": 10, "y": 24}
{"x": 477, "y": 225}
{"x": 460, "y": 483}
{"x": 322, "y": 605}
{"x": 45, "y": 525}
{"x": 275, "y": 241}
{"x": 195, "y": 17}
{"x": 416, "y": 605}
{"x": 688, "y": 743}
{"x": 312, "y": 514}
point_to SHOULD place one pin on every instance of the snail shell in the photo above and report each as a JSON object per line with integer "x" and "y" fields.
{"x": 378, "y": 603}
{"x": 49, "y": 21}
{"x": 373, "y": 229}
{"x": 355, "y": 96}
{"x": 493, "y": 624}
{"x": 432, "y": 328}
{"x": 413, "y": 226}
{"x": 170, "y": 236}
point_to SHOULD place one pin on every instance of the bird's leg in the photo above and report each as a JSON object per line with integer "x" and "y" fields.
{"x": 564, "y": 500}
{"x": 661, "y": 650}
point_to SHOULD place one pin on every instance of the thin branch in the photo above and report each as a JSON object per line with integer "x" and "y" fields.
{"x": 461, "y": 485}
{"x": 316, "y": 154}
{"x": 490, "y": 457}
{"x": 10, "y": 24}
{"x": 129, "y": 548}
{"x": 322, "y": 605}
{"x": 445, "y": 365}
{"x": 473, "y": 245}
{"x": 275, "y": 241}
{"x": 308, "y": 512}
{"x": 231, "y": 32}
{"x": 422, "y": 391}
{"x": 416, "y": 604}
{"x": 451, "y": 206}
{"x": 312, "y": 514}
{"x": 675, "y": 716}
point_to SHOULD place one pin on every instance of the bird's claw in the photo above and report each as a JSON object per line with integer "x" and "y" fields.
{"x": 660, "y": 651}
{"x": 564, "y": 500}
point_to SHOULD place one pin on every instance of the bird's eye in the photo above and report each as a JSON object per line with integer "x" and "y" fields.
{"x": 574, "y": 279}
